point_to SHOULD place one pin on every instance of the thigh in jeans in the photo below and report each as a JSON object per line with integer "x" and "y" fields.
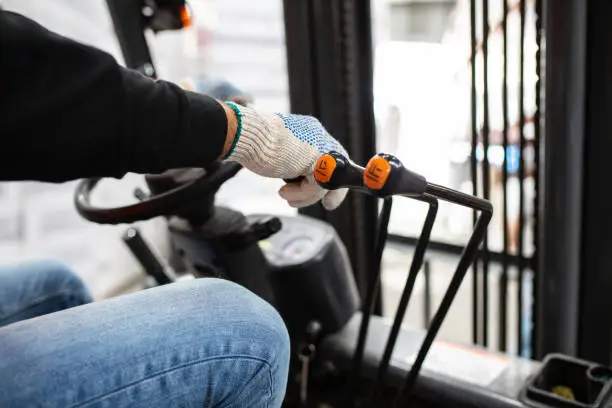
{"x": 37, "y": 288}
{"x": 201, "y": 343}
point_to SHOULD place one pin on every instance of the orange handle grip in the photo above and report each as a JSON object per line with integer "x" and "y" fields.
{"x": 333, "y": 171}
{"x": 385, "y": 175}
{"x": 376, "y": 173}
{"x": 324, "y": 169}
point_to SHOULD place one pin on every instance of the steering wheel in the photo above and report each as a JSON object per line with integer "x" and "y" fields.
{"x": 155, "y": 205}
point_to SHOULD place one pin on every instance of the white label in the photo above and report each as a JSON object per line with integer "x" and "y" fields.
{"x": 475, "y": 366}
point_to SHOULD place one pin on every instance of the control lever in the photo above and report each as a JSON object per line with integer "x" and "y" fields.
{"x": 385, "y": 175}
{"x": 263, "y": 229}
{"x": 334, "y": 171}
{"x": 254, "y": 233}
{"x": 139, "y": 248}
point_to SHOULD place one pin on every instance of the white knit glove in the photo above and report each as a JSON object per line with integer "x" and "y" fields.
{"x": 286, "y": 147}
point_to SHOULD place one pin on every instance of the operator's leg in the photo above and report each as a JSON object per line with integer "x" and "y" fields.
{"x": 37, "y": 288}
{"x": 200, "y": 343}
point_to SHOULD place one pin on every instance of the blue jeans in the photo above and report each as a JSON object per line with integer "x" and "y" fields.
{"x": 199, "y": 343}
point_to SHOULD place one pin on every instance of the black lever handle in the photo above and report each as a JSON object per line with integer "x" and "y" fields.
{"x": 385, "y": 175}
{"x": 253, "y": 233}
{"x": 145, "y": 256}
{"x": 334, "y": 171}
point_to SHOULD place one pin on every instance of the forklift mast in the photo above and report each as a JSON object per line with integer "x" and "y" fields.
{"x": 132, "y": 18}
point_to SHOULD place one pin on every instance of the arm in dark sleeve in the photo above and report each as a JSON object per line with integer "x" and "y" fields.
{"x": 70, "y": 111}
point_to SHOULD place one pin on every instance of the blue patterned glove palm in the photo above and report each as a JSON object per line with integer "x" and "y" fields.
{"x": 308, "y": 129}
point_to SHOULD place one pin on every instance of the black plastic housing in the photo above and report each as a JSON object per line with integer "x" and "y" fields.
{"x": 590, "y": 384}
{"x": 311, "y": 275}
{"x": 218, "y": 249}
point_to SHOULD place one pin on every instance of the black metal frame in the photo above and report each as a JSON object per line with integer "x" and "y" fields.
{"x": 474, "y": 170}
{"x": 480, "y": 287}
{"x": 415, "y": 267}
{"x": 485, "y": 170}
{"x": 129, "y": 26}
{"x": 505, "y": 261}
{"x": 595, "y": 325}
{"x": 454, "y": 249}
{"x": 432, "y": 194}
{"x": 467, "y": 258}
{"x": 560, "y": 197}
{"x": 537, "y": 132}
{"x": 521, "y": 176}
{"x": 574, "y": 260}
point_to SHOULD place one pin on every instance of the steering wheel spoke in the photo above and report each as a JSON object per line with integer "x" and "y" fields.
{"x": 140, "y": 194}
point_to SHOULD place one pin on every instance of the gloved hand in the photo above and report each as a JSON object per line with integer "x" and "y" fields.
{"x": 286, "y": 147}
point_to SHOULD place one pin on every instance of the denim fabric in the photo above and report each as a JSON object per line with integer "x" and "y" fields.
{"x": 199, "y": 343}
{"x": 38, "y": 288}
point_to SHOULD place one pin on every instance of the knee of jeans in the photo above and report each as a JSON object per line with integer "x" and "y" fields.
{"x": 57, "y": 277}
{"x": 256, "y": 317}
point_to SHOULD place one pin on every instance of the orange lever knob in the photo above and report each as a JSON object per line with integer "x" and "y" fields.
{"x": 376, "y": 173}
{"x": 324, "y": 169}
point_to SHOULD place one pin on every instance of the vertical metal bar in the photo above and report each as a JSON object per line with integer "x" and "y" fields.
{"x": 562, "y": 175}
{"x": 415, "y": 267}
{"x": 301, "y": 66}
{"x": 351, "y": 46}
{"x": 474, "y": 170}
{"x": 503, "y": 310}
{"x": 370, "y": 300}
{"x": 485, "y": 168}
{"x": 595, "y": 327}
{"x": 467, "y": 258}
{"x": 130, "y": 30}
{"x": 427, "y": 295}
{"x": 304, "y": 84}
{"x": 521, "y": 176}
{"x": 536, "y": 147}
{"x": 329, "y": 63}
{"x": 503, "y": 294}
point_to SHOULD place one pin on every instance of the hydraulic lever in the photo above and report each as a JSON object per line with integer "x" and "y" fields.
{"x": 385, "y": 176}
{"x": 143, "y": 253}
{"x": 334, "y": 171}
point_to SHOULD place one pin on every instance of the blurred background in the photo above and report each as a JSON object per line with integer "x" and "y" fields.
{"x": 422, "y": 105}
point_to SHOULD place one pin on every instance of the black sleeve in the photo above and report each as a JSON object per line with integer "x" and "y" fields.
{"x": 69, "y": 111}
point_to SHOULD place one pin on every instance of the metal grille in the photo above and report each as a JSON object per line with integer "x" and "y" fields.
{"x": 504, "y": 77}
{"x": 481, "y": 132}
